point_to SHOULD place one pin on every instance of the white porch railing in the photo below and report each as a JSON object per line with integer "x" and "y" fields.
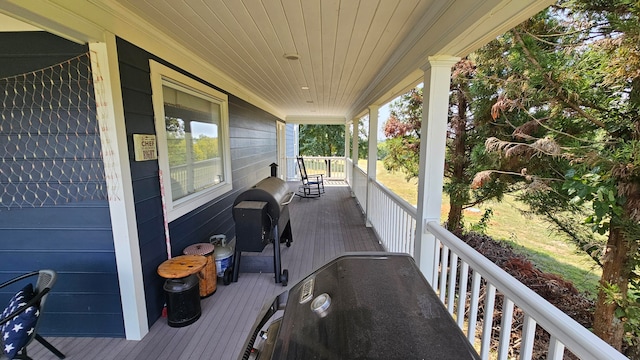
{"x": 394, "y": 219}
{"x": 333, "y": 167}
{"x": 455, "y": 262}
{"x": 359, "y": 186}
{"x": 348, "y": 171}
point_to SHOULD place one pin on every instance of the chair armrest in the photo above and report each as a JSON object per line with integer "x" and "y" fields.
{"x": 21, "y": 277}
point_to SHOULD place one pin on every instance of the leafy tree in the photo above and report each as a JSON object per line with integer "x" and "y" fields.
{"x": 565, "y": 95}
{"x": 322, "y": 140}
{"x": 403, "y": 132}
{"x": 382, "y": 150}
{"x": 363, "y": 138}
{"x": 205, "y": 147}
{"x": 176, "y": 141}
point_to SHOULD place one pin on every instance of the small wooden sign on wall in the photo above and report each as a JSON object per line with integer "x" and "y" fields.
{"x": 145, "y": 147}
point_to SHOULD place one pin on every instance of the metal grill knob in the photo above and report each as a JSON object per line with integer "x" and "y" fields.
{"x": 320, "y": 305}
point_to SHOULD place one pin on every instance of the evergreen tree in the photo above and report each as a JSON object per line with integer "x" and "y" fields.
{"x": 559, "y": 96}
{"x": 465, "y": 143}
{"x": 566, "y": 86}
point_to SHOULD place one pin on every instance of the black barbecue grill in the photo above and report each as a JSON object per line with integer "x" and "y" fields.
{"x": 359, "y": 306}
{"x": 261, "y": 214}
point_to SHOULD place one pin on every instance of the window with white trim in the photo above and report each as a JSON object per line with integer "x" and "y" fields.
{"x": 192, "y": 128}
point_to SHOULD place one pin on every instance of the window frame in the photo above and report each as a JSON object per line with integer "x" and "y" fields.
{"x": 161, "y": 75}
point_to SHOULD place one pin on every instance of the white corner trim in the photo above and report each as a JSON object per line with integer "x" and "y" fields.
{"x": 113, "y": 137}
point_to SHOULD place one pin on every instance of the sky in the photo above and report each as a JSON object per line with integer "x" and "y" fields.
{"x": 383, "y": 115}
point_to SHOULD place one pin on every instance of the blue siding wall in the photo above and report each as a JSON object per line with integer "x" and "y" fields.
{"x": 73, "y": 236}
{"x": 253, "y": 148}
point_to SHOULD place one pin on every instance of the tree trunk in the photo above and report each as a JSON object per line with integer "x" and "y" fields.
{"x": 459, "y": 161}
{"x": 615, "y": 271}
{"x": 454, "y": 219}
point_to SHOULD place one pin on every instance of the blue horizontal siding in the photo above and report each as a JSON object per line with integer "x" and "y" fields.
{"x": 76, "y": 238}
{"x": 56, "y": 156}
{"x": 253, "y": 148}
{"x": 26, "y": 51}
{"x": 66, "y": 323}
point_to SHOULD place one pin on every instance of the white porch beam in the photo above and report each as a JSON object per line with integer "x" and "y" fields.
{"x": 316, "y": 120}
{"x": 110, "y": 114}
{"x": 435, "y": 105}
{"x": 9, "y": 24}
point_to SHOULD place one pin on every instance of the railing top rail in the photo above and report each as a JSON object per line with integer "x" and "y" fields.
{"x": 574, "y": 336}
{"x": 319, "y": 157}
{"x": 364, "y": 173}
{"x": 410, "y": 209}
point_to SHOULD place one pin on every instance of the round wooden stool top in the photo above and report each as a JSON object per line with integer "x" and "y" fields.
{"x": 182, "y": 266}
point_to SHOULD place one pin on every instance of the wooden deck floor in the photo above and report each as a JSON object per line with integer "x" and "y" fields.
{"x": 323, "y": 228}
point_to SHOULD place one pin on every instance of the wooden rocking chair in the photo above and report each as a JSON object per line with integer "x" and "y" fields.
{"x": 312, "y": 185}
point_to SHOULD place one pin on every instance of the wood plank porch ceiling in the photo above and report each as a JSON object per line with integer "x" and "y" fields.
{"x": 323, "y": 228}
{"x": 351, "y": 52}
{"x": 342, "y": 45}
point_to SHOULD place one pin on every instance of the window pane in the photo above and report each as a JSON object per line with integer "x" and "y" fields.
{"x": 193, "y": 133}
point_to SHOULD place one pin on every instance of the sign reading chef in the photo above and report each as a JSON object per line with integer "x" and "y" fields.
{"x": 145, "y": 147}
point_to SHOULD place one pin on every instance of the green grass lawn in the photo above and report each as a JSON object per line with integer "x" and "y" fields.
{"x": 530, "y": 236}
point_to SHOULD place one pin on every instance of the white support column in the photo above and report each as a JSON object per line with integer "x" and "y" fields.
{"x": 356, "y": 137}
{"x": 346, "y": 149}
{"x": 354, "y": 153}
{"x": 372, "y": 156}
{"x": 110, "y": 114}
{"x": 435, "y": 106}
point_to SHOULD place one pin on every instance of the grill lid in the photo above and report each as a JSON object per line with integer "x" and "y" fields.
{"x": 376, "y": 306}
{"x": 271, "y": 190}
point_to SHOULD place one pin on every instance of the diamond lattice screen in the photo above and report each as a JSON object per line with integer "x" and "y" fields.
{"x": 50, "y": 150}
